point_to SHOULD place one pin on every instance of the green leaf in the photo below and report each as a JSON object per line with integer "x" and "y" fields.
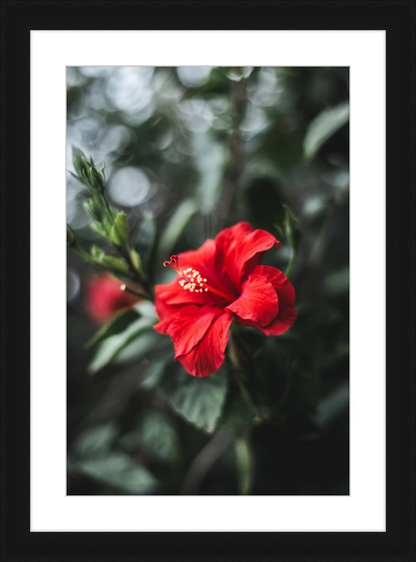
{"x": 119, "y": 472}
{"x": 100, "y": 229}
{"x": 156, "y": 436}
{"x": 137, "y": 262}
{"x": 153, "y": 374}
{"x": 114, "y": 264}
{"x": 93, "y": 208}
{"x": 198, "y": 400}
{"x": 113, "y": 345}
{"x": 120, "y": 230}
{"x": 176, "y": 227}
{"x": 76, "y": 177}
{"x": 109, "y": 262}
{"x": 117, "y": 324}
{"x": 323, "y": 127}
{"x": 97, "y": 253}
{"x": 96, "y": 441}
{"x": 147, "y": 345}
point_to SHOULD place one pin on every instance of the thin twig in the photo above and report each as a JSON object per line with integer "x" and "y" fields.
{"x": 136, "y": 274}
{"x": 205, "y": 460}
{"x": 235, "y": 161}
{"x": 133, "y": 292}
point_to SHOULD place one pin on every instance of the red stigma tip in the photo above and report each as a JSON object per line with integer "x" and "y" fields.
{"x": 166, "y": 264}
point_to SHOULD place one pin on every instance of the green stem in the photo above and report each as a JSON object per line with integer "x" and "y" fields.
{"x": 244, "y": 462}
{"x": 291, "y": 263}
{"x": 137, "y": 275}
{"x": 133, "y": 292}
{"x": 125, "y": 253}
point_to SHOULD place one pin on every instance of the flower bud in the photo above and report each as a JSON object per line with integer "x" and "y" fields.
{"x": 96, "y": 180}
{"x": 104, "y": 298}
{"x": 87, "y": 172}
{"x": 79, "y": 160}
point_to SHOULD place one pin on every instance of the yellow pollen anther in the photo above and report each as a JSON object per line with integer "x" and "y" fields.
{"x": 191, "y": 280}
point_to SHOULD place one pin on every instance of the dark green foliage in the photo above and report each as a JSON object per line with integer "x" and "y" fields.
{"x": 199, "y": 401}
{"x": 188, "y": 153}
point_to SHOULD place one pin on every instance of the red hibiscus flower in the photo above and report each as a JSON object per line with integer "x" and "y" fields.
{"x": 220, "y": 281}
{"x": 104, "y": 298}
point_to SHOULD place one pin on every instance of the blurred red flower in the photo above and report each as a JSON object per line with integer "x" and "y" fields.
{"x": 104, "y": 298}
{"x": 221, "y": 280}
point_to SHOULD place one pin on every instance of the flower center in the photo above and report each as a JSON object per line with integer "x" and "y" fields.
{"x": 191, "y": 280}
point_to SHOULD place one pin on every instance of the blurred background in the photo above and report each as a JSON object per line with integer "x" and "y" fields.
{"x": 187, "y": 152}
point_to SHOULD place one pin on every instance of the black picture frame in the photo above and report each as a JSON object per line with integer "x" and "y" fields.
{"x": 397, "y": 17}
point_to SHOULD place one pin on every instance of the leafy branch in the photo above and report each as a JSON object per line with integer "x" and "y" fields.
{"x": 110, "y": 224}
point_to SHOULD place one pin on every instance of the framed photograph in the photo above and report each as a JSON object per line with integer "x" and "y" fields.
{"x": 175, "y": 271}
{"x": 213, "y": 355}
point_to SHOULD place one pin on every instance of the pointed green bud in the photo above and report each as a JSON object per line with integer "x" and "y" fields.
{"x": 79, "y": 160}
{"x": 96, "y": 180}
{"x": 86, "y": 171}
{"x": 93, "y": 208}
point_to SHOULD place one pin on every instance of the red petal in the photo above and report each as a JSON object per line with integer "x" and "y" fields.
{"x": 201, "y": 259}
{"x": 208, "y": 354}
{"x": 240, "y": 246}
{"x": 162, "y": 294}
{"x": 104, "y": 298}
{"x": 257, "y": 302}
{"x": 284, "y": 320}
{"x": 164, "y": 326}
{"x": 169, "y": 296}
{"x": 286, "y": 295}
{"x": 188, "y": 326}
{"x": 278, "y": 280}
